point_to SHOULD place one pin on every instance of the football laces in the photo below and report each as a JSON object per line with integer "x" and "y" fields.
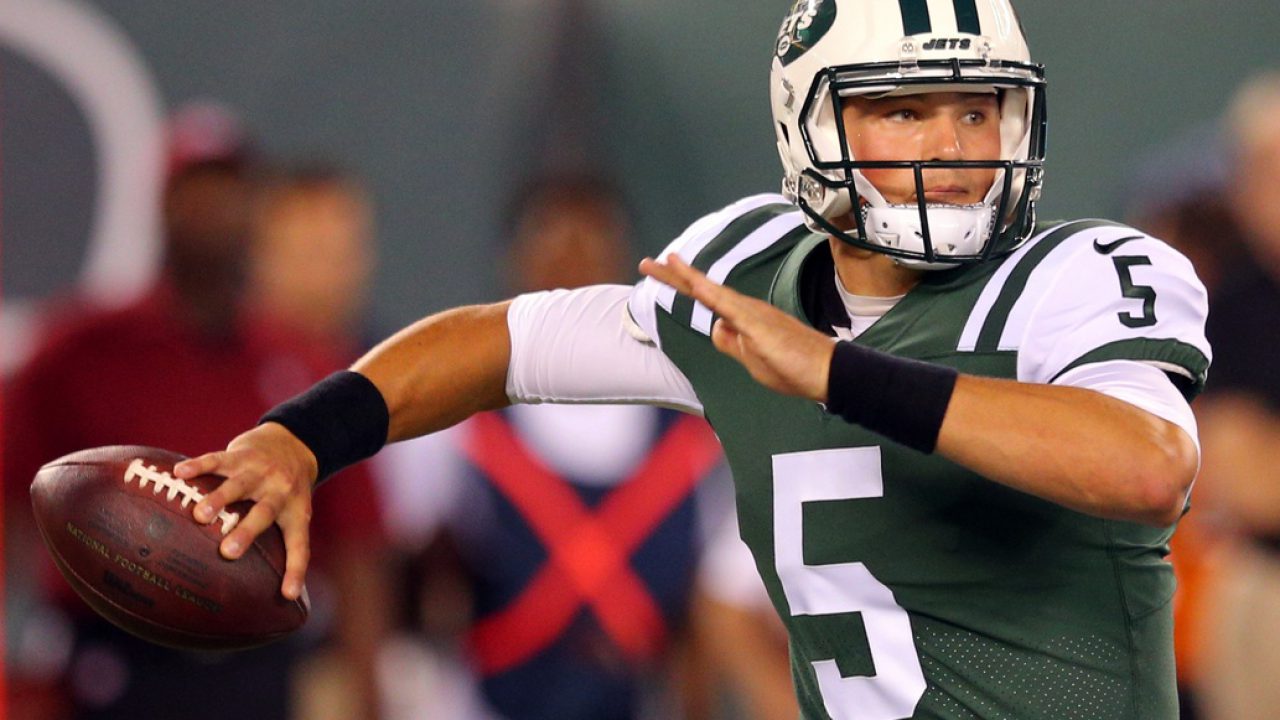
{"x": 176, "y": 487}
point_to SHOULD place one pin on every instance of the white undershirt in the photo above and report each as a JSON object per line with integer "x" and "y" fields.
{"x": 864, "y": 310}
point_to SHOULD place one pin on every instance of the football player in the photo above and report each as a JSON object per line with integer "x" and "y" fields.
{"x": 961, "y": 437}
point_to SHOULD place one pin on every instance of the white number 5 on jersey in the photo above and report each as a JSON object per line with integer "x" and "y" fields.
{"x": 844, "y": 474}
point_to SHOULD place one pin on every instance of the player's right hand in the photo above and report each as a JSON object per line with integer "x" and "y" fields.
{"x": 271, "y": 467}
{"x": 779, "y": 351}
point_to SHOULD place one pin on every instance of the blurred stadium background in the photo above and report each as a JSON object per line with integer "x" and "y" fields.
{"x": 435, "y": 103}
{"x": 446, "y": 108}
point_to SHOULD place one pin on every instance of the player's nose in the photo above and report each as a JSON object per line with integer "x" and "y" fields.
{"x": 942, "y": 139}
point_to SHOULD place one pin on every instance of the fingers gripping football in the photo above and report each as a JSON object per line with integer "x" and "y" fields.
{"x": 270, "y": 467}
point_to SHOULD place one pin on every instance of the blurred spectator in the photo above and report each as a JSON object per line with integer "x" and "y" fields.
{"x": 575, "y": 531}
{"x": 309, "y": 267}
{"x": 1239, "y": 419}
{"x": 1179, "y": 194}
{"x": 738, "y": 629}
{"x": 143, "y": 374}
{"x": 313, "y": 259}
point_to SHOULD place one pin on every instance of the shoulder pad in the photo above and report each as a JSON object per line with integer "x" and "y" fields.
{"x": 1093, "y": 291}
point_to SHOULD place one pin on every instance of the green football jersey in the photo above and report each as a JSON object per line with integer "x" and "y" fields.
{"x": 910, "y": 586}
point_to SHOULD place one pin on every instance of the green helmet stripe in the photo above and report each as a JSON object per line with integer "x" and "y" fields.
{"x": 915, "y": 17}
{"x": 967, "y": 17}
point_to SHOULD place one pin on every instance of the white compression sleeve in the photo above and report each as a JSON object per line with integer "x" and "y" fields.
{"x": 1139, "y": 384}
{"x": 573, "y": 346}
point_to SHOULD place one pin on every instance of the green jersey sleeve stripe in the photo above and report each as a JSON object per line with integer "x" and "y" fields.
{"x": 1169, "y": 351}
{"x": 734, "y": 233}
{"x": 998, "y": 316}
{"x": 688, "y": 245}
{"x": 783, "y": 228}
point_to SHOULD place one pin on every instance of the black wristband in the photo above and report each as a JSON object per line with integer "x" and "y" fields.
{"x": 342, "y": 419}
{"x": 903, "y": 400}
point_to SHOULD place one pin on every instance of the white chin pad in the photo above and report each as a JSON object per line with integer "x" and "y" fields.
{"x": 955, "y": 230}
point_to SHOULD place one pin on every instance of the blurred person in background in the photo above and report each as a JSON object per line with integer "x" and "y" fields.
{"x": 180, "y": 368}
{"x": 309, "y": 269}
{"x": 312, "y": 262}
{"x": 98, "y": 376}
{"x": 1179, "y": 193}
{"x": 736, "y": 627}
{"x": 573, "y": 533}
{"x": 1239, "y": 491}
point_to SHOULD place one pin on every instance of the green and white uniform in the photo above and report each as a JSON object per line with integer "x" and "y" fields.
{"x": 912, "y": 587}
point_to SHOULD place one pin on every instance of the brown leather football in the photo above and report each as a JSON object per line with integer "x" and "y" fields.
{"x": 121, "y": 530}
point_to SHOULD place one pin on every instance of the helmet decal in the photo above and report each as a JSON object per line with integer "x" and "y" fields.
{"x": 804, "y": 26}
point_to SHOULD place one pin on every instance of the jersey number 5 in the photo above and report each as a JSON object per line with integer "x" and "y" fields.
{"x": 844, "y": 474}
{"x": 1145, "y": 293}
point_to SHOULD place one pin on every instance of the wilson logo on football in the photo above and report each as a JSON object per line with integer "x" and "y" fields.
{"x": 163, "y": 481}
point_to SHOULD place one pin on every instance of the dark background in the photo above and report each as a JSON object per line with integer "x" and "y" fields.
{"x": 442, "y": 106}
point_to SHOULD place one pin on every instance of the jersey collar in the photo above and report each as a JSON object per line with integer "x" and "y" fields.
{"x": 805, "y": 286}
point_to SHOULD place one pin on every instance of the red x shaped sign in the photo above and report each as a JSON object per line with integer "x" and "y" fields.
{"x": 589, "y": 550}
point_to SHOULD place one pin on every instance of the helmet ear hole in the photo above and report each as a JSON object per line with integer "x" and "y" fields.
{"x": 786, "y": 135}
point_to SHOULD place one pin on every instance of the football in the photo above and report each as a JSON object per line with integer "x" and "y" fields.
{"x": 120, "y": 528}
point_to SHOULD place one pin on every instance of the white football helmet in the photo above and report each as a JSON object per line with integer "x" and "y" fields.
{"x": 829, "y": 50}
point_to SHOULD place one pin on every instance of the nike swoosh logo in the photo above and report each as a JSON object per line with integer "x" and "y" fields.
{"x": 1108, "y": 248}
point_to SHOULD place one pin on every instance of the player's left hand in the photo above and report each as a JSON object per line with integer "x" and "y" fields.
{"x": 779, "y": 351}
